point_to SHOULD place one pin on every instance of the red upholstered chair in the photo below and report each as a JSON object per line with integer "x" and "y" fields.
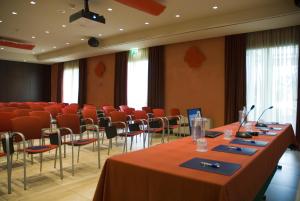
{"x": 69, "y": 110}
{"x": 22, "y": 112}
{"x": 120, "y": 120}
{"x": 30, "y": 128}
{"x": 54, "y": 111}
{"x": 69, "y": 124}
{"x": 171, "y": 122}
{"x": 147, "y": 109}
{"x": 44, "y": 116}
{"x": 8, "y": 109}
{"x": 126, "y": 109}
{"x": 36, "y": 107}
{"x": 108, "y": 109}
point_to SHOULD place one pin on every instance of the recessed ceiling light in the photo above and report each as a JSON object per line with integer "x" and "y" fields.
{"x": 2, "y": 48}
{"x": 33, "y": 37}
{"x": 121, "y": 29}
{"x": 47, "y": 32}
{"x": 64, "y": 26}
{"x": 14, "y": 13}
{"x": 1, "y": 21}
{"x": 61, "y": 11}
{"x": 146, "y": 23}
{"x": 67, "y": 43}
{"x": 54, "y": 47}
{"x": 82, "y": 39}
{"x": 24, "y": 60}
{"x": 177, "y": 15}
{"x": 100, "y": 34}
{"x": 109, "y": 9}
{"x": 32, "y": 2}
{"x": 43, "y": 50}
{"x": 215, "y": 7}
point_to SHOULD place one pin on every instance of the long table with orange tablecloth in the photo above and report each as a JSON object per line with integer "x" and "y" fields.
{"x": 154, "y": 174}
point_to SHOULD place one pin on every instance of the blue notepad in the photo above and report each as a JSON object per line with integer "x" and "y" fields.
{"x": 250, "y": 142}
{"x": 235, "y": 150}
{"x": 218, "y": 167}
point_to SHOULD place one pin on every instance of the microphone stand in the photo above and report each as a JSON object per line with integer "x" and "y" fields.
{"x": 262, "y": 124}
{"x": 246, "y": 134}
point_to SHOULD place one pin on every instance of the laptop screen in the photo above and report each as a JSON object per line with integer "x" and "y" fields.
{"x": 191, "y": 114}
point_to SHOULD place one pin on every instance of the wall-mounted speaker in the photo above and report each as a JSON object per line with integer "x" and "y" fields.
{"x": 93, "y": 42}
{"x": 297, "y": 3}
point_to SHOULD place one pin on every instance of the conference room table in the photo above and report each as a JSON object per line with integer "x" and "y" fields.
{"x": 155, "y": 174}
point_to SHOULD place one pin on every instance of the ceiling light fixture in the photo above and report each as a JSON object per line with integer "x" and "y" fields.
{"x": 64, "y": 26}
{"x": 2, "y": 48}
{"x": 215, "y": 7}
{"x": 1, "y": 21}
{"x": 24, "y": 60}
{"x": 54, "y": 47}
{"x": 67, "y": 43}
{"x": 100, "y": 34}
{"x": 109, "y": 9}
{"x": 121, "y": 29}
{"x": 47, "y": 32}
{"x": 177, "y": 15}
{"x": 146, "y": 23}
{"x": 14, "y": 13}
{"x": 32, "y": 2}
{"x": 33, "y": 37}
{"x": 82, "y": 39}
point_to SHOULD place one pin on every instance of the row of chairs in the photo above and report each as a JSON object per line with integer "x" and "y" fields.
{"x": 27, "y": 128}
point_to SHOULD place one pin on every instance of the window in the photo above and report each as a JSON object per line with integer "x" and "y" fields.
{"x": 71, "y": 82}
{"x": 137, "y": 78}
{"x": 272, "y": 77}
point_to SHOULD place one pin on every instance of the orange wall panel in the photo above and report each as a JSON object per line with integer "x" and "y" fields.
{"x": 100, "y": 90}
{"x": 196, "y": 87}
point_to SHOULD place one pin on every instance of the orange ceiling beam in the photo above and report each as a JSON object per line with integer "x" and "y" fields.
{"x": 16, "y": 45}
{"x": 149, "y": 6}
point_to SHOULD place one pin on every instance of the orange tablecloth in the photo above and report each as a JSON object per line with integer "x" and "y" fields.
{"x": 154, "y": 174}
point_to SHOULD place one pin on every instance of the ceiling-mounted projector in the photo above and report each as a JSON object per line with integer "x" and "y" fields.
{"x": 86, "y": 13}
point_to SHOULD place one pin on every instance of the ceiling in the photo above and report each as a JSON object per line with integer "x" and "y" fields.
{"x": 42, "y": 24}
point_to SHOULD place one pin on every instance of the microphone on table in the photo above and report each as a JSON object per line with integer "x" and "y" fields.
{"x": 262, "y": 124}
{"x": 245, "y": 134}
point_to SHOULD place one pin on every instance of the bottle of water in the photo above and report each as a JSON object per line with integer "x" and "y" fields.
{"x": 199, "y": 133}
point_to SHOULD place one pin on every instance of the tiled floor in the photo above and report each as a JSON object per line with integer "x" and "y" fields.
{"x": 47, "y": 185}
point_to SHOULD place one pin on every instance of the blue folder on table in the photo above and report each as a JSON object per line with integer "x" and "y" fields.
{"x": 235, "y": 150}
{"x": 218, "y": 167}
{"x": 249, "y": 142}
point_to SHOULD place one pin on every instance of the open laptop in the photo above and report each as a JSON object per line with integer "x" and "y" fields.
{"x": 191, "y": 114}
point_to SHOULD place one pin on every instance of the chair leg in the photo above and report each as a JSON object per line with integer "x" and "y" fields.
{"x": 65, "y": 147}
{"x": 72, "y": 160}
{"x": 131, "y": 143}
{"x": 78, "y": 154}
{"x": 41, "y": 162}
{"x": 60, "y": 163}
{"x": 9, "y": 169}
{"x": 55, "y": 158}
{"x": 98, "y": 146}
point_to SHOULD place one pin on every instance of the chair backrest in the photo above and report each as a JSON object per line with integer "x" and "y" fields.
{"x": 22, "y": 112}
{"x": 147, "y": 109}
{"x": 69, "y": 110}
{"x": 174, "y": 112}
{"x": 29, "y": 126}
{"x": 54, "y": 110}
{"x": 44, "y": 116}
{"x": 5, "y": 121}
{"x": 71, "y": 121}
{"x": 89, "y": 106}
{"x": 75, "y": 106}
{"x": 123, "y": 107}
{"x": 90, "y": 113}
{"x": 157, "y": 112}
{"x": 107, "y": 111}
{"x": 139, "y": 114}
{"x": 118, "y": 116}
{"x": 8, "y": 109}
{"x": 36, "y": 107}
